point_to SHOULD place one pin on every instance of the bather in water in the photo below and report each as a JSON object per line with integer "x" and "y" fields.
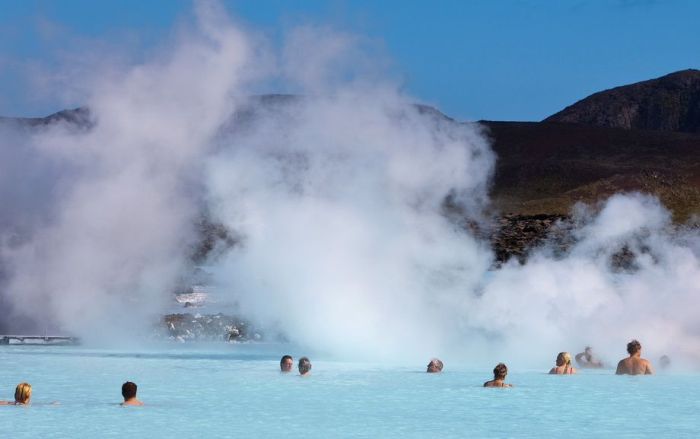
{"x": 499, "y": 375}
{"x": 563, "y": 366}
{"x": 23, "y": 394}
{"x": 634, "y": 364}
{"x": 587, "y": 360}
{"x": 435, "y": 366}
{"x": 304, "y": 366}
{"x": 286, "y": 363}
{"x": 129, "y": 393}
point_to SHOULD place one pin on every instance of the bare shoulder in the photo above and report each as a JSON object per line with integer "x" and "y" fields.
{"x": 621, "y": 367}
{"x": 131, "y": 404}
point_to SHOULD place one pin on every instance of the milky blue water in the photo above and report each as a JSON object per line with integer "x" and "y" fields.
{"x": 237, "y": 391}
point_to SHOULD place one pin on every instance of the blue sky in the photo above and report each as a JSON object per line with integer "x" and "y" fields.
{"x": 499, "y": 60}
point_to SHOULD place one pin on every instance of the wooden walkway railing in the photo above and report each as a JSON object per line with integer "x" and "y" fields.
{"x": 38, "y": 339}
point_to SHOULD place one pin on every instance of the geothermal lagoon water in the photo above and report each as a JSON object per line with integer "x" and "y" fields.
{"x": 237, "y": 391}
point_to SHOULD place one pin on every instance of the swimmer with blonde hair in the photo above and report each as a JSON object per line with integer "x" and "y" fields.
{"x": 23, "y": 393}
{"x": 499, "y": 376}
{"x": 563, "y": 366}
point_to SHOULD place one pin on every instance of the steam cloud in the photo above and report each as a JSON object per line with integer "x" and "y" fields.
{"x": 339, "y": 200}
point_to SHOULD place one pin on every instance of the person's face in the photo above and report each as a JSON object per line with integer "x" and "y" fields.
{"x": 433, "y": 368}
{"x": 287, "y": 365}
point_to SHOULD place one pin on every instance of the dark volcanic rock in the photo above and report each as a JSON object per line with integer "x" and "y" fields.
{"x": 209, "y": 327}
{"x": 514, "y": 236}
{"x": 668, "y": 103}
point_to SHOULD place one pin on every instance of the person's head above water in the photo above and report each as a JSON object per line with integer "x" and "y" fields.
{"x": 500, "y": 371}
{"x": 634, "y": 364}
{"x": 23, "y": 393}
{"x": 634, "y": 347}
{"x": 564, "y": 358}
{"x": 129, "y": 394}
{"x": 286, "y": 363}
{"x": 304, "y": 366}
{"x": 435, "y": 366}
{"x": 129, "y": 390}
{"x": 499, "y": 377}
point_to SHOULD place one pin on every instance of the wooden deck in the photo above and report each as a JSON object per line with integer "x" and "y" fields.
{"x": 38, "y": 339}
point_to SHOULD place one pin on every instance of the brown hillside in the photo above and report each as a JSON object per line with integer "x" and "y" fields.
{"x": 544, "y": 168}
{"x": 668, "y": 103}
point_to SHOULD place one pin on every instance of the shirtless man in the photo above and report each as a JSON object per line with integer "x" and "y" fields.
{"x": 634, "y": 364}
{"x": 586, "y": 359}
{"x": 499, "y": 377}
{"x": 129, "y": 394}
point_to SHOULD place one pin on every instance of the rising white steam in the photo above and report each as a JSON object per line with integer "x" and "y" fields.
{"x": 111, "y": 235}
{"x": 588, "y": 297}
{"x": 338, "y": 199}
{"x": 340, "y": 203}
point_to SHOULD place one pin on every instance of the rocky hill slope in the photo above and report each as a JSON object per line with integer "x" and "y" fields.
{"x": 545, "y": 168}
{"x": 668, "y": 103}
{"x": 585, "y": 153}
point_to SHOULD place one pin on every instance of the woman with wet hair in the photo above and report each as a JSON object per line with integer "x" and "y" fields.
{"x": 23, "y": 393}
{"x": 563, "y": 366}
{"x": 499, "y": 376}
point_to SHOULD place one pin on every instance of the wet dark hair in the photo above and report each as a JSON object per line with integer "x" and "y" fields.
{"x": 500, "y": 371}
{"x": 128, "y": 390}
{"x": 437, "y": 363}
{"x": 285, "y": 358}
{"x": 304, "y": 365}
{"x": 633, "y": 347}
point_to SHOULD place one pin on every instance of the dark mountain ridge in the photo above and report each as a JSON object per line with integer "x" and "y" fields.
{"x": 544, "y": 168}
{"x": 668, "y": 103}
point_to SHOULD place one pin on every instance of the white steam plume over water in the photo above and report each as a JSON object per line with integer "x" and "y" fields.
{"x": 552, "y": 304}
{"x": 112, "y": 234}
{"x": 340, "y": 203}
{"x": 338, "y": 200}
